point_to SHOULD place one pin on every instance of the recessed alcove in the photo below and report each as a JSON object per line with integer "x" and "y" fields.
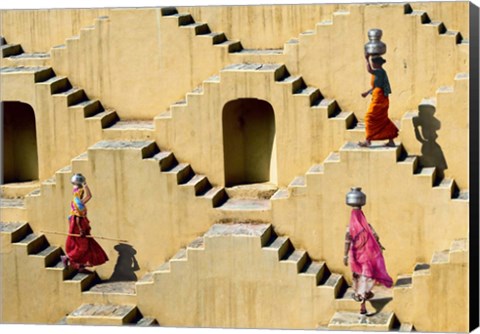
{"x": 20, "y": 156}
{"x": 249, "y": 142}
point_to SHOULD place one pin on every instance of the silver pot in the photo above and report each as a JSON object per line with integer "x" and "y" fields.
{"x": 375, "y": 46}
{"x": 356, "y": 197}
{"x": 78, "y": 179}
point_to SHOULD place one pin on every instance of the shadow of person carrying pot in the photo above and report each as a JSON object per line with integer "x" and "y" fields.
{"x": 126, "y": 264}
{"x": 426, "y": 127}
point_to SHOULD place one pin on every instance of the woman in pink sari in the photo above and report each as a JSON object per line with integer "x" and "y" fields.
{"x": 364, "y": 253}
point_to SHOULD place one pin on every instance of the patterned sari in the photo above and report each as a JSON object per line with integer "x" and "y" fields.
{"x": 82, "y": 251}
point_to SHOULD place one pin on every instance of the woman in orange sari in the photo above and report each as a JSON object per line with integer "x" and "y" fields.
{"x": 378, "y": 125}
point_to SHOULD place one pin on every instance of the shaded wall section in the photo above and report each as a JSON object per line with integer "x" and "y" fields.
{"x": 20, "y": 157}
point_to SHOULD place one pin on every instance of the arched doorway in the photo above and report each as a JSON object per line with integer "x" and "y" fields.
{"x": 20, "y": 156}
{"x": 248, "y": 142}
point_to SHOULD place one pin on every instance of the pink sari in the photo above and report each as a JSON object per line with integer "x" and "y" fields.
{"x": 365, "y": 254}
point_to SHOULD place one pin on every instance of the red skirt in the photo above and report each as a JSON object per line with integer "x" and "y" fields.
{"x": 83, "y": 252}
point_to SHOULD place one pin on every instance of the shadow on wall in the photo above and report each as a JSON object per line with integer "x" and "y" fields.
{"x": 126, "y": 264}
{"x": 426, "y": 127}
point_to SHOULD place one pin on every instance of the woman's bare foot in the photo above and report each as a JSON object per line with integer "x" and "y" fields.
{"x": 365, "y": 143}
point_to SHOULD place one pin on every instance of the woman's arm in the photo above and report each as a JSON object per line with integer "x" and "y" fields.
{"x": 88, "y": 194}
{"x": 367, "y": 92}
{"x": 347, "y": 248}
{"x": 369, "y": 67}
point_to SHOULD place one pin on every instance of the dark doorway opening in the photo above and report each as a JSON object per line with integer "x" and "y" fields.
{"x": 20, "y": 156}
{"x": 248, "y": 142}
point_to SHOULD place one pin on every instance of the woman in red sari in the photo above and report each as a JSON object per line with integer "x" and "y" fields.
{"x": 378, "y": 125}
{"x": 364, "y": 253}
{"x": 82, "y": 250}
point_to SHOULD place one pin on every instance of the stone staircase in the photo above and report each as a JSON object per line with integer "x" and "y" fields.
{"x": 448, "y": 267}
{"x": 447, "y": 185}
{"x": 19, "y": 235}
{"x": 201, "y": 30}
{"x": 438, "y": 26}
{"x": 295, "y": 264}
{"x": 13, "y": 55}
{"x": 60, "y": 89}
{"x": 458, "y": 253}
{"x": 36, "y": 246}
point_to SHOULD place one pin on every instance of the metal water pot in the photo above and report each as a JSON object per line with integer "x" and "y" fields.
{"x": 78, "y": 179}
{"x": 375, "y": 46}
{"x": 356, "y": 197}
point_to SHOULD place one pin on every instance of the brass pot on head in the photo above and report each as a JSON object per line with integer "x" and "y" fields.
{"x": 375, "y": 47}
{"x": 356, "y": 198}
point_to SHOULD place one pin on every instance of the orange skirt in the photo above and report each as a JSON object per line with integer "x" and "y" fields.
{"x": 378, "y": 125}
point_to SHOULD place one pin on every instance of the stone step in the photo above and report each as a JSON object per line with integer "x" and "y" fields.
{"x": 217, "y": 195}
{"x": 403, "y": 281}
{"x": 40, "y": 73}
{"x": 86, "y": 281}
{"x": 280, "y": 245}
{"x": 182, "y": 171}
{"x": 33, "y": 243}
{"x": 11, "y": 50}
{"x": 129, "y": 130}
{"x": 335, "y": 281}
{"x": 90, "y": 108}
{"x": 233, "y": 204}
{"x": 50, "y": 255}
{"x": 252, "y": 191}
{"x": 280, "y": 194}
{"x": 146, "y": 148}
{"x": 147, "y": 321}
{"x": 57, "y": 84}
{"x": 29, "y": 59}
{"x": 106, "y": 118}
{"x": 19, "y": 189}
{"x": 73, "y": 96}
{"x": 297, "y": 257}
{"x": 382, "y": 299}
{"x": 329, "y": 106}
{"x": 103, "y": 314}
{"x": 350, "y": 321}
{"x": 314, "y": 269}
{"x": 17, "y": 230}
{"x": 199, "y": 183}
{"x": 113, "y": 288}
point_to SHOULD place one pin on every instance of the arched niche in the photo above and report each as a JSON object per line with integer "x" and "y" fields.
{"x": 20, "y": 156}
{"x": 249, "y": 142}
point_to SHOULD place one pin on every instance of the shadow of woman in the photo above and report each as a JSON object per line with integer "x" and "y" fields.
{"x": 426, "y": 127}
{"x": 126, "y": 264}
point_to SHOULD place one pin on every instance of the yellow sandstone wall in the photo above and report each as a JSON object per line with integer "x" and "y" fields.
{"x": 126, "y": 60}
{"x": 40, "y": 30}
{"x": 138, "y": 43}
